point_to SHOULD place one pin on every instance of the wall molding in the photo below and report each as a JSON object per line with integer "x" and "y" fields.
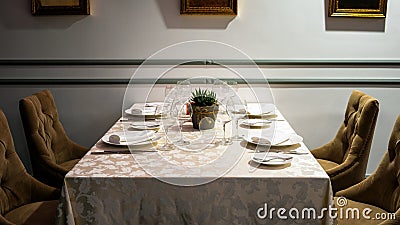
{"x": 273, "y": 81}
{"x": 259, "y": 62}
{"x": 115, "y": 63}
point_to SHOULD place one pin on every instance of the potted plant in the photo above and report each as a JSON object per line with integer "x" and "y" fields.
{"x": 204, "y": 106}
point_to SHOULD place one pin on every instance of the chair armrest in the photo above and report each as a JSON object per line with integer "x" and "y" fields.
{"x": 343, "y": 167}
{"x": 327, "y": 151}
{"x": 53, "y": 167}
{"x": 77, "y": 151}
{"x": 41, "y": 191}
{"x": 3, "y": 221}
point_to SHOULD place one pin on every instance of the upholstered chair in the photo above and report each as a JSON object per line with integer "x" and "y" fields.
{"x": 23, "y": 199}
{"x": 52, "y": 152}
{"x": 380, "y": 191}
{"x": 345, "y": 158}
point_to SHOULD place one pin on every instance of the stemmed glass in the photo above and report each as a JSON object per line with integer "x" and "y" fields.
{"x": 166, "y": 118}
{"x": 180, "y": 112}
{"x": 167, "y": 122}
{"x": 225, "y": 117}
{"x": 181, "y": 109}
{"x": 235, "y": 107}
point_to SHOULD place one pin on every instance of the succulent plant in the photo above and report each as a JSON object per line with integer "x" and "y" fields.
{"x": 203, "y": 97}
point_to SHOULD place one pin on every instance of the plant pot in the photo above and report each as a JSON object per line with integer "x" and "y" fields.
{"x": 204, "y": 116}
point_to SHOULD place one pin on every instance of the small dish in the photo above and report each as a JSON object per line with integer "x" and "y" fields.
{"x": 271, "y": 158}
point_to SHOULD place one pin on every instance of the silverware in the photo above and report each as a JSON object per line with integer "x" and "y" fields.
{"x": 293, "y": 152}
{"x": 257, "y": 122}
{"x": 105, "y": 152}
{"x": 287, "y": 139}
{"x": 273, "y": 158}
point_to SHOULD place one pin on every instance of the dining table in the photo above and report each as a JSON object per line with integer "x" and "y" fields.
{"x": 206, "y": 182}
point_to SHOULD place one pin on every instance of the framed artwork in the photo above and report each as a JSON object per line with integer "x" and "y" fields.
{"x": 60, "y": 7}
{"x": 212, "y": 7}
{"x": 358, "y": 8}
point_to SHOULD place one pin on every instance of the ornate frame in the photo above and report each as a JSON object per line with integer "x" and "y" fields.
{"x": 209, "y": 7}
{"x": 358, "y": 8}
{"x": 64, "y": 7}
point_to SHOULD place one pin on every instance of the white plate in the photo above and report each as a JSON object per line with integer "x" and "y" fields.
{"x": 260, "y": 109}
{"x": 256, "y": 122}
{"x": 145, "y": 125}
{"x": 271, "y": 158}
{"x": 145, "y": 109}
{"x": 133, "y": 138}
{"x": 291, "y": 139}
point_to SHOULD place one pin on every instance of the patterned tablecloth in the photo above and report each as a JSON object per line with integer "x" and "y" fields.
{"x": 118, "y": 188}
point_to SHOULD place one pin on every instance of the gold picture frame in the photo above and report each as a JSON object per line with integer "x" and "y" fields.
{"x": 358, "y": 8}
{"x": 209, "y": 7}
{"x": 60, "y": 7}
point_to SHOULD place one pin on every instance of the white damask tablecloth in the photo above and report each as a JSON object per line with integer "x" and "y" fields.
{"x": 115, "y": 189}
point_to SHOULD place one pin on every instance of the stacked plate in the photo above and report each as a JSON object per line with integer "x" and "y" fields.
{"x": 278, "y": 140}
{"x": 131, "y": 138}
{"x": 145, "y": 125}
{"x": 145, "y": 109}
{"x": 260, "y": 109}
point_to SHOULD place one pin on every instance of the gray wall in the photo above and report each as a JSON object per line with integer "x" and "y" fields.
{"x": 312, "y": 95}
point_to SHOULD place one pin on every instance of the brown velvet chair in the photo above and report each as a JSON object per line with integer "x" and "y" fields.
{"x": 381, "y": 191}
{"x": 345, "y": 158}
{"x": 23, "y": 199}
{"x": 52, "y": 152}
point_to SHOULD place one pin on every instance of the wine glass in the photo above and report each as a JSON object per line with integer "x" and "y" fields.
{"x": 220, "y": 88}
{"x": 167, "y": 121}
{"x": 225, "y": 117}
{"x": 180, "y": 107}
{"x": 238, "y": 111}
{"x": 180, "y": 111}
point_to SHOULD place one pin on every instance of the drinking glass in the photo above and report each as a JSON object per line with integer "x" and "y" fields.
{"x": 180, "y": 111}
{"x": 167, "y": 121}
{"x": 181, "y": 107}
{"x": 225, "y": 117}
{"x": 237, "y": 111}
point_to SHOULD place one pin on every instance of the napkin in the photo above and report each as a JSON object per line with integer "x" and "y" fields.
{"x": 143, "y": 109}
{"x": 266, "y": 141}
{"x": 117, "y": 138}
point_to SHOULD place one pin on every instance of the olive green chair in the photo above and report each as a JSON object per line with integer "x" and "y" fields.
{"x": 23, "y": 199}
{"x": 345, "y": 158}
{"x": 380, "y": 192}
{"x": 52, "y": 152}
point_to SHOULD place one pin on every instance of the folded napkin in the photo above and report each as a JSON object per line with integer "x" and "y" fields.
{"x": 120, "y": 137}
{"x": 267, "y": 141}
{"x": 135, "y": 109}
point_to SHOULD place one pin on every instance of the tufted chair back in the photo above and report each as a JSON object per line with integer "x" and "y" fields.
{"x": 382, "y": 188}
{"x": 16, "y": 185}
{"x": 49, "y": 145}
{"x": 12, "y": 192}
{"x": 45, "y": 131}
{"x": 20, "y": 193}
{"x": 350, "y": 148}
